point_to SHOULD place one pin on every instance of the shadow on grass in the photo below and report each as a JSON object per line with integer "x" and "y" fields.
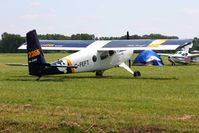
{"x": 73, "y": 77}
{"x": 183, "y": 65}
{"x": 34, "y": 79}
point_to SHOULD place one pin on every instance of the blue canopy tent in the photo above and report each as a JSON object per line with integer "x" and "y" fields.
{"x": 148, "y": 57}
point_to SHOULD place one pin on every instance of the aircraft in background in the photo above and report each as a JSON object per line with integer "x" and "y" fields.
{"x": 182, "y": 56}
{"x": 92, "y": 56}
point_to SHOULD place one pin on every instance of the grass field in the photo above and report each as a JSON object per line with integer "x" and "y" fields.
{"x": 164, "y": 99}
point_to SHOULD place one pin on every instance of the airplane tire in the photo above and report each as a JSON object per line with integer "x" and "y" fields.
{"x": 137, "y": 74}
{"x": 99, "y": 73}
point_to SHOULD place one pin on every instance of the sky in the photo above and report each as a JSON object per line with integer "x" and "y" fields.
{"x": 101, "y": 17}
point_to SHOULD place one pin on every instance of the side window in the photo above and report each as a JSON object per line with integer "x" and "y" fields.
{"x": 184, "y": 54}
{"x": 94, "y": 58}
{"x": 104, "y": 55}
{"x": 111, "y": 53}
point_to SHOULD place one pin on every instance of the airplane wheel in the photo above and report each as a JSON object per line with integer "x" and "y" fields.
{"x": 99, "y": 73}
{"x": 137, "y": 74}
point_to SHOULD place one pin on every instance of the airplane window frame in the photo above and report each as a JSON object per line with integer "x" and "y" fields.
{"x": 104, "y": 55}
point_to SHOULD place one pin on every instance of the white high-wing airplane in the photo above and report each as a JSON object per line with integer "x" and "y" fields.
{"x": 92, "y": 56}
{"x": 182, "y": 57}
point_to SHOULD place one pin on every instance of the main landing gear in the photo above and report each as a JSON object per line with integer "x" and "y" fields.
{"x": 99, "y": 73}
{"x": 137, "y": 74}
{"x": 172, "y": 61}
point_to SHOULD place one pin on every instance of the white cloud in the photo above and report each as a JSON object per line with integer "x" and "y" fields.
{"x": 191, "y": 11}
{"x": 37, "y": 16}
{"x": 35, "y": 4}
{"x": 30, "y": 16}
{"x": 51, "y": 13}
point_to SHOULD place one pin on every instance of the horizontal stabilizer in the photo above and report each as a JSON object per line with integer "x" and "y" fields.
{"x": 16, "y": 64}
{"x": 50, "y": 65}
{"x": 46, "y": 64}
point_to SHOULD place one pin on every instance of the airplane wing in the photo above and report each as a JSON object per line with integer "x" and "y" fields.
{"x": 159, "y": 44}
{"x": 162, "y": 54}
{"x": 72, "y": 45}
{"x": 194, "y": 55}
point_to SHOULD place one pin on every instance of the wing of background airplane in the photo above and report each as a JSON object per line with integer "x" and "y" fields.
{"x": 159, "y": 44}
{"x": 163, "y": 54}
{"x": 194, "y": 55}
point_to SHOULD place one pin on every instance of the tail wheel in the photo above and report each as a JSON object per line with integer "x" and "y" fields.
{"x": 137, "y": 74}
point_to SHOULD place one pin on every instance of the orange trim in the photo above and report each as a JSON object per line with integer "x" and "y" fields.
{"x": 70, "y": 64}
{"x": 33, "y": 54}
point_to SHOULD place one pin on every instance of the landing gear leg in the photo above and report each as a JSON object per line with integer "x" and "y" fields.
{"x": 130, "y": 63}
{"x": 136, "y": 74}
{"x": 172, "y": 62}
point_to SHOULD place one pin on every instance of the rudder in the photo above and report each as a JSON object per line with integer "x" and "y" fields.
{"x": 35, "y": 54}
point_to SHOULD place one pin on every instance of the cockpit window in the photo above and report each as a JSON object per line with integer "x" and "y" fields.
{"x": 180, "y": 52}
{"x": 104, "y": 55}
{"x": 184, "y": 54}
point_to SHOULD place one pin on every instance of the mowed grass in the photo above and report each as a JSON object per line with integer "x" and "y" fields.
{"x": 164, "y": 99}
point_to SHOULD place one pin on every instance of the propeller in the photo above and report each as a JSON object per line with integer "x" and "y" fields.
{"x": 127, "y": 36}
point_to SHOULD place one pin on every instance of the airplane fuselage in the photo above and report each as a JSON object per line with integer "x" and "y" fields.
{"x": 93, "y": 60}
{"x": 183, "y": 57}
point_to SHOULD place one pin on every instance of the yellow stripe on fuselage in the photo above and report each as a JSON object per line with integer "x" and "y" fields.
{"x": 157, "y": 43}
{"x": 70, "y": 64}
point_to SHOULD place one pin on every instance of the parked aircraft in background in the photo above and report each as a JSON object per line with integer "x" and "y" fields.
{"x": 182, "y": 57}
{"x": 92, "y": 56}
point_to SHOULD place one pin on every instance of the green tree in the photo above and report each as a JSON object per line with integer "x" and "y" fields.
{"x": 83, "y": 37}
{"x": 10, "y": 42}
{"x": 195, "y": 44}
{"x": 53, "y": 37}
{"x": 158, "y": 36}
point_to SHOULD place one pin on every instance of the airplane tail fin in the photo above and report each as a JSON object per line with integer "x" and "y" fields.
{"x": 36, "y": 62}
{"x": 35, "y": 54}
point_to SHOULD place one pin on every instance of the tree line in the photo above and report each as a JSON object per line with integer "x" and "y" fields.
{"x": 195, "y": 44}
{"x": 10, "y": 42}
